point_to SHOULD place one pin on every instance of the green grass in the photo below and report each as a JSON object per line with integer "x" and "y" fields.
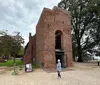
{"x": 11, "y": 63}
{"x": 19, "y": 63}
{"x": 34, "y": 66}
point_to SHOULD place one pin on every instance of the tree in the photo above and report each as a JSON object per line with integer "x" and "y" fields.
{"x": 17, "y": 43}
{"x": 21, "y": 52}
{"x": 10, "y": 44}
{"x": 85, "y": 25}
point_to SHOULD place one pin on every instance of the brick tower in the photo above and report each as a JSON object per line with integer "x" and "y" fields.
{"x": 53, "y": 38}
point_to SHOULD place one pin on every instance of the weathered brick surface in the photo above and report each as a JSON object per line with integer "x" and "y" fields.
{"x": 30, "y": 50}
{"x": 43, "y": 44}
{"x": 51, "y": 21}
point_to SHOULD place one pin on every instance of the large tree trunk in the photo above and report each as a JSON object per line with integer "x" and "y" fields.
{"x": 79, "y": 53}
{"x": 79, "y": 59}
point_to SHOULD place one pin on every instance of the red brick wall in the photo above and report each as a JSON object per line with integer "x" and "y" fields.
{"x": 30, "y": 50}
{"x": 40, "y": 40}
{"x": 34, "y": 46}
{"x": 42, "y": 45}
{"x": 49, "y": 22}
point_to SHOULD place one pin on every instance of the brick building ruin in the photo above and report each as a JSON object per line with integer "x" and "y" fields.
{"x": 52, "y": 40}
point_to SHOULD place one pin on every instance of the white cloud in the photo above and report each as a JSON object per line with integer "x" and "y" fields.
{"x": 22, "y": 15}
{"x": 26, "y": 39}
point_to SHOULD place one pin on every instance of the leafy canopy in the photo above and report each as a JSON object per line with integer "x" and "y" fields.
{"x": 10, "y": 44}
{"x": 85, "y": 25}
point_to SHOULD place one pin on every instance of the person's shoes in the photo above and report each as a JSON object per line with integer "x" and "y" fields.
{"x": 58, "y": 77}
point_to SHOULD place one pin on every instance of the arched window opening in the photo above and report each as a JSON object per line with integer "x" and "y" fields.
{"x": 58, "y": 35}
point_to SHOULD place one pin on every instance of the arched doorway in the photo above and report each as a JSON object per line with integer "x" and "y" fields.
{"x": 59, "y": 52}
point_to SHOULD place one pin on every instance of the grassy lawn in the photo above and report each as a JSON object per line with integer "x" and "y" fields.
{"x": 19, "y": 63}
{"x": 11, "y": 63}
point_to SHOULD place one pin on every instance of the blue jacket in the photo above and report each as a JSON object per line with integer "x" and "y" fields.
{"x": 59, "y": 67}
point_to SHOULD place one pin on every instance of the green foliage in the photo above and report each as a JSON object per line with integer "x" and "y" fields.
{"x": 21, "y": 52}
{"x": 11, "y": 63}
{"x": 10, "y": 44}
{"x": 85, "y": 25}
{"x": 34, "y": 66}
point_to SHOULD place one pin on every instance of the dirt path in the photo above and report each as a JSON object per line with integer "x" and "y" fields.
{"x": 80, "y": 74}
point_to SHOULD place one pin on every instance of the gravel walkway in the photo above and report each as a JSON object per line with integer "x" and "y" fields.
{"x": 80, "y": 74}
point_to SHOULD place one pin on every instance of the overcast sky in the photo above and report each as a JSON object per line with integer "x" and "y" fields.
{"x": 22, "y": 15}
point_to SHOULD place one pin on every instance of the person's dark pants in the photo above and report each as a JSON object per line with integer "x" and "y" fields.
{"x": 98, "y": 63}
{"x": 59, "y": 76}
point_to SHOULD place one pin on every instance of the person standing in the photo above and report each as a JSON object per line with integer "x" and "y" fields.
{"x": 59, "y": 69}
